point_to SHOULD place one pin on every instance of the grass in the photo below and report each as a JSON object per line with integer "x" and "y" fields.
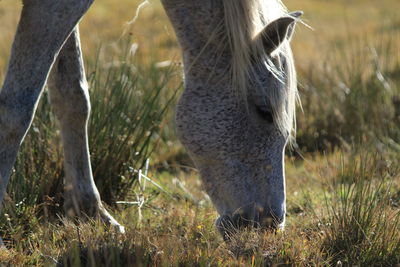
{"x": 363, "y": 225}
{"x": 362, "y": 103}
{"x": 356, "y": 225}
{"x": 125, "y": 129}
{"x": 343, "y": 193}
{"x": 126, "y": 125}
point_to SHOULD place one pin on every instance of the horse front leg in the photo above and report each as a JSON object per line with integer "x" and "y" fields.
{"x": 69, "y": 97}
{"x": 43, "y": 28}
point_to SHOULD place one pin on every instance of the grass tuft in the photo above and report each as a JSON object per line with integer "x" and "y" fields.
{"x": 363, "y": 228}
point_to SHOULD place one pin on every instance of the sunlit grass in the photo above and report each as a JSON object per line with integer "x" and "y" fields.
{"x": 178, "y": 229}
{"x": 364, "y": 224}
{"x": 343, "y": 196}
{"x": 353, "y": 97}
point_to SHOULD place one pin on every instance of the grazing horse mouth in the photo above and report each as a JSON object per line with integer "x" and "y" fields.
{"x": 248, "y": 217}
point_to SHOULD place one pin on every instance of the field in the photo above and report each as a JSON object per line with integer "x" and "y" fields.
{"x": 343, "y": 174}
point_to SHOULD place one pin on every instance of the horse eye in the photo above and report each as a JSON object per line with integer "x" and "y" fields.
{"x": 265, "y": 114}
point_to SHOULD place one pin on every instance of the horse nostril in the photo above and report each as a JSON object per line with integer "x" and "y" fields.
{"x": 260, "y": 209}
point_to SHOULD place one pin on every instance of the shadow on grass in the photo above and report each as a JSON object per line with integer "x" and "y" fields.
{"x": 105, "y": 255}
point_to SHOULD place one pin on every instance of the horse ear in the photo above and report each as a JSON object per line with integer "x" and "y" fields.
{"x": 296, "y": 15}
{"x": 278, "y": 31}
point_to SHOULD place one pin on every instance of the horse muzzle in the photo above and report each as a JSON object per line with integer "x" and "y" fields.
{"x": 250, "y": 216}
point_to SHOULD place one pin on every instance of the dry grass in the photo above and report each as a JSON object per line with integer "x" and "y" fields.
{"x": 179, "y": 230}
{"x": 343, "y": 201}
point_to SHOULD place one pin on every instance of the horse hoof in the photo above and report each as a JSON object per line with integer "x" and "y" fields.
{"x": 107, "y": 218}
{"x": 120, "y": 229}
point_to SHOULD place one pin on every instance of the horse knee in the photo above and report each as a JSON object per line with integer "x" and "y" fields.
{"x": 69, "y": 95}
{"x": 71, "y": 106}
{"x": 67, "y": 83}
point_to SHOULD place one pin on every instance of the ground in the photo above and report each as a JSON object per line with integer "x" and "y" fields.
{"x": 343, "y": 179}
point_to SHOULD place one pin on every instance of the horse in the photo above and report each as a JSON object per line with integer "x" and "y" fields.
{"x": 235, "y": 116}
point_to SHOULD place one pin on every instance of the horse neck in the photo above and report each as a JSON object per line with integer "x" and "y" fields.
{"x": 199, "y": 27}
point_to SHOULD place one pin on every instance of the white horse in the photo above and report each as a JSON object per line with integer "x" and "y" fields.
{"x": 235, "y": 116}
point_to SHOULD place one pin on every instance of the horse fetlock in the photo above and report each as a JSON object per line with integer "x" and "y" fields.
{"x": 81, "y": 203}
{"x": 85, "y": 203}
{"x": 79, "y": 104}
{"x": 107, "y": 218}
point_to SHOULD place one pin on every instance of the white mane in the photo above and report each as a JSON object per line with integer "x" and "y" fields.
{"x": 244, "y": 19}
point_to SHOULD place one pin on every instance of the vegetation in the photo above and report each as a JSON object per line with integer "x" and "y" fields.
{"x": 343, "y": 179}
